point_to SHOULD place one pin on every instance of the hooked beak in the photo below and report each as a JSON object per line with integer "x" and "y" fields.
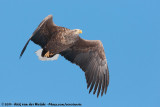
{"x": 80, "y": 31}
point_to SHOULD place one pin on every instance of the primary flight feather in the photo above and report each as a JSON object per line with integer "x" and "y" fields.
{"x": 89, "y": 55}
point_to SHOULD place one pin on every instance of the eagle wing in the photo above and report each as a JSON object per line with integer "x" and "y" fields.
{"x": 43, "y": 33}
{"x": 90, "y": 56}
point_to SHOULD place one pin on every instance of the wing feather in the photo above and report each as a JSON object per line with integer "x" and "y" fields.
{"x": 90, "y": 56}
{"x": 43, "y": 33}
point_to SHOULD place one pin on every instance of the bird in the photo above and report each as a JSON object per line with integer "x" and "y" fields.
{"x": 89, "y": 55}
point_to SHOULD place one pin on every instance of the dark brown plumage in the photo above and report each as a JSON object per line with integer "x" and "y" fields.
{"x": 88, "y": 54}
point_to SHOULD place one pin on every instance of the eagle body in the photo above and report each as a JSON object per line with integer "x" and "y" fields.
{"x": 89, "y": 55}
{"x": 61, "y": 39}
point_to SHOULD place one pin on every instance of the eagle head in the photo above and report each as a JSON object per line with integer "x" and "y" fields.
{"x": 77, "y": 31}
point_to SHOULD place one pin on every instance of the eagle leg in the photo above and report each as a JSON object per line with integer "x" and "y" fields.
{"x": 48, "y": 54}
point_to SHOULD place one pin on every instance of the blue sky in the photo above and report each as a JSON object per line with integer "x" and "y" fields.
{"x": 128, "y": 29}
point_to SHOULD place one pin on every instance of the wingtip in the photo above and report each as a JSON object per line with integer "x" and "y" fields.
{"x": 105, "y": 90}
{"x": 97, "y": 95}
{"x": 20, "y": 57}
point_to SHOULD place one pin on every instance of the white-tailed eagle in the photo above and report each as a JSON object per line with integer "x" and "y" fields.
{"x": 89, "y": 55}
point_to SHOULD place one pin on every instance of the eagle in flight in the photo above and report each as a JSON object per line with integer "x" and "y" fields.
{"x": 89, "y": 55}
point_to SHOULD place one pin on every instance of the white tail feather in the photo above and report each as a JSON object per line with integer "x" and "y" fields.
{"x": 38, "y": 53}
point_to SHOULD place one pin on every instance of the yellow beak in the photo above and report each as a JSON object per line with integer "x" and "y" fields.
{"x": 80, "y": 31}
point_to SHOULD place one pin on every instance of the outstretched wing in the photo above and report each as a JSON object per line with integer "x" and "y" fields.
{"x": 90, "y": 56}
{"x": 43, "y": 33}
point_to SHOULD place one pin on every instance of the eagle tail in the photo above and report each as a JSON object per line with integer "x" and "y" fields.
{"x": 39, "y": 54}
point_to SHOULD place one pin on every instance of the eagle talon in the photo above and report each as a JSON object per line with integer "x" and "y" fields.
{"x": 51, "y": 54}
{"x": 47, "y": 54}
